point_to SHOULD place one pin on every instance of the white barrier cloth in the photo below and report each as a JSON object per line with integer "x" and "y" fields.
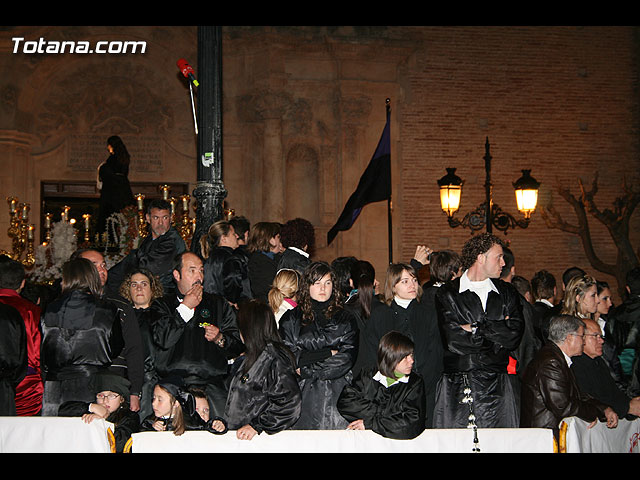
{"x": 525, "y": 440}
{"x": 53, "y": 435}
{"x": 600, "y": 439}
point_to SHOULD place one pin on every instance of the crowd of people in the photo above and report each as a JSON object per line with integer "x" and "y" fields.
{"x": 252, "y": 334}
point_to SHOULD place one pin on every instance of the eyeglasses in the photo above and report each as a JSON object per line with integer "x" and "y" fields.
{"x": 576, "y": 335}
{"x": 597, "y": 335}
{"x": 110, "y": 396}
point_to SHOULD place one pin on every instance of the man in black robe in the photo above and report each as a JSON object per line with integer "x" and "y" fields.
{"x": 195, "y": 333}
{"x": 481, "y": 322}
{"x": 155, "y": 253}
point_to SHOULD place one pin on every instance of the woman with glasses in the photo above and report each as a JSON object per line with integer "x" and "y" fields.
{"x": 111, "y": 405}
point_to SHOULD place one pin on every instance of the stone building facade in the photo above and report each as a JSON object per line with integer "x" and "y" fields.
{"x": 304, "y": 107}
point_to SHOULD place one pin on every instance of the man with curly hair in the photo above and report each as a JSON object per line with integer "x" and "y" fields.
{"x": 481, "y": 322}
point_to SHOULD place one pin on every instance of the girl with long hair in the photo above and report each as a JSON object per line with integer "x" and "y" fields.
{"x": 323, "y": 336}
{"x": 581, "y": 297}
{"x": 263, "y": 394}
{"x": 282, "y": 296}
{"x": 174, "y": 409}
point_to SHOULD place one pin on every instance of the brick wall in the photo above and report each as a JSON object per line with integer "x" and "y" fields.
{"x": 561, "y": 101}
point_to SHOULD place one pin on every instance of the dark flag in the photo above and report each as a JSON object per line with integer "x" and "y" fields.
{"x": 374, "y": 185}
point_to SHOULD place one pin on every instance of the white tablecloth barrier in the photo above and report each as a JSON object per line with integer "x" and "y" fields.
{"x": 347, "y": 441}
{"x": 600, "y": 439}
{"x": 53, "y": 435}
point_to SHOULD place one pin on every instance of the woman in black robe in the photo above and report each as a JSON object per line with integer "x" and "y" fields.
{"x": 407, "y": 312}
{"x": 323, "y": 336}
{"x": 264, "y": 249}
{"x": 141, "y": 288}
{"x": 264, "y": 394}
{"x": 224, "y": 270}
{"x": 115, "y": 190}
{"x": 81, "y": 336}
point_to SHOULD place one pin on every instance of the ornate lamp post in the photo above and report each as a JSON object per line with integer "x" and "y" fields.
{"x": 488, "y": 214}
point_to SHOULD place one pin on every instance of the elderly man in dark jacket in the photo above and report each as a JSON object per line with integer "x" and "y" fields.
{"x": 549, "y": 389}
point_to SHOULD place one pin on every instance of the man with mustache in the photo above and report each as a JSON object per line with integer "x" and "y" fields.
{"x": 195, "y": 333}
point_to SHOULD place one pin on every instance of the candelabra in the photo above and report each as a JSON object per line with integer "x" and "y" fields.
{"x": 143, "y": 229}
{"x": 185, "y": 225}
{"x": 21, "y": 233}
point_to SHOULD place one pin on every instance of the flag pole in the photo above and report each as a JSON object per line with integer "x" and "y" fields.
{"x": 389, "y": 222}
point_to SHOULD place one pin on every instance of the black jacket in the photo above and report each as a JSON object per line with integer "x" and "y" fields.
{"x": 13, "y": 357}
{"x": 180, "y": 346}
{"x": 130, "y": 362}
{"x": 81, "y": 334}
{"x": 225, "y": 274}
{"x": 293, "y": 260}
{"x": 267, "y": 396}
{"x": 262, "y": 269}
{"x": 623, "y": 329}
{"x": 594, "y": 379}
{"x": 156, "y": 255}
{"x": 499, "y": 328}
{"x": 396, "y": 412}
{"x": 322, "y": 375}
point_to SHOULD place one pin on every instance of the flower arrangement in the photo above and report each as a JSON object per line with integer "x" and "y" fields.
{"x": 122, "y": 226}
{"x": 50, "y": 257}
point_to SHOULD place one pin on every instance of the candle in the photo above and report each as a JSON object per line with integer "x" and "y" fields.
{"x": 30, "y": 232}
{"x": 87, "y": 219}
{"x": 65, "y": 213}
{"x": 47, "y": 220}
{"x": 13, "y": 201}
{"x": 165, "y": 191}
{"x": 25, "y": 211}
{"x": 185, "y": 202}
{"x": 140, "y": 199}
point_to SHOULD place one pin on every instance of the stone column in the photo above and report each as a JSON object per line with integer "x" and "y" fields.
{"x": 272, "y": 107}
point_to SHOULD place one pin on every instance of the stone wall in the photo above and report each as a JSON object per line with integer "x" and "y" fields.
{"x": 304, "y": 107}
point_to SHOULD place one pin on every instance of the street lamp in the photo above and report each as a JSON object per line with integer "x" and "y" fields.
{"x": 488, "y": 214}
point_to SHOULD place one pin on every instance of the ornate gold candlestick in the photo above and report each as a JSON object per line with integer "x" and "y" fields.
{"x": 186, "y": 227}
{"x": 142, "y": 224}
{"x": 87, "y": 225}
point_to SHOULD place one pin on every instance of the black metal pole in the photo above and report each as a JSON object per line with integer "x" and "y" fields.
{"x": 209, "y": 191}
{"x": 488, "y": 188}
